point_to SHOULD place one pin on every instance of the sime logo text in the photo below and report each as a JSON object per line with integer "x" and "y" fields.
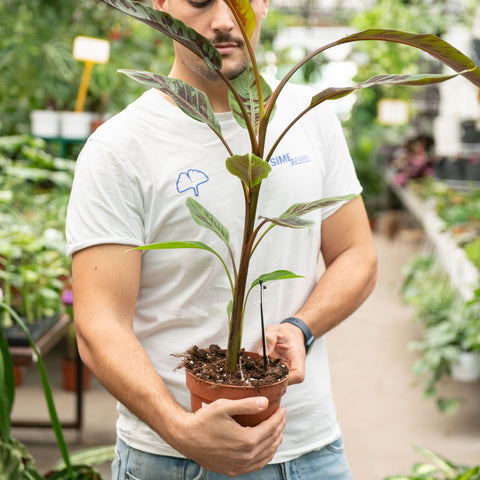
{"x": 289, "y": 159}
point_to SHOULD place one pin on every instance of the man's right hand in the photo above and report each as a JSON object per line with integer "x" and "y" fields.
{"x": 214, "y": 440}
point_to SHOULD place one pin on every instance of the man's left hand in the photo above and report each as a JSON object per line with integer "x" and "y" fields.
{"x": 287, "y": 342}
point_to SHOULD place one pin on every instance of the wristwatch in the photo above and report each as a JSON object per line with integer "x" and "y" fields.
{"x": 307, "y": 333}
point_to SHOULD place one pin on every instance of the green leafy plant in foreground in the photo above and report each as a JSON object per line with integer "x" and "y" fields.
{"x": 439, "y": 468}
{"x": 16, "y": 463}
{"x": 252, "y": 103}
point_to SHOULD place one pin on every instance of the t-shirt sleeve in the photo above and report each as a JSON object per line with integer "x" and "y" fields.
{"x": 106, "y": 201}
{"x": 341, "y": 178}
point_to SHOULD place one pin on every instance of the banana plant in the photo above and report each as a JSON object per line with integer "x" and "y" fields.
{"x": 252, "y": 103}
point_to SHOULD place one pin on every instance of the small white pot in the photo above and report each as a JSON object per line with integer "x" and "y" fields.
{"x": 76, "y": 125}
{"x": 45, "y": 123}
{"x": 467, "y": 369}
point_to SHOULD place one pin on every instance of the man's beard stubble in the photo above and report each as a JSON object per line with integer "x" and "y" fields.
{"x": 235, "y": 71}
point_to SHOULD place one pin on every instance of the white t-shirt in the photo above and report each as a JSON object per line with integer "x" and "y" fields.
{"x": 131, "y": 182}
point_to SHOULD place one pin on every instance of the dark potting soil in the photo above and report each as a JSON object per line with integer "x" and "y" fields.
{"x": 209, "y": 364}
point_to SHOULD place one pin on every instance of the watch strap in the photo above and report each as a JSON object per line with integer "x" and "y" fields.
{"x": 307, "y": 333}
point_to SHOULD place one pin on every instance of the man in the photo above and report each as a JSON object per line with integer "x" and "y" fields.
{"x": 132, "y": 309}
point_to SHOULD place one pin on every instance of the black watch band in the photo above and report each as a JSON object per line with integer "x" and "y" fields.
{"x": 307, "y": 333}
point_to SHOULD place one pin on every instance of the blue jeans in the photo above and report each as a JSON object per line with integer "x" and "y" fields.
{"x": 328, "y": 463}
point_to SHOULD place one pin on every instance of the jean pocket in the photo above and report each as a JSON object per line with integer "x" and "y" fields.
{"x": 336, "y": 446}
{"x": 116, "y": 464}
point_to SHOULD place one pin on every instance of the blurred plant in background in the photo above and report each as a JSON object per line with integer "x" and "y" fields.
{"x": 34, "y": 192}
{"x": 38, "y": 70}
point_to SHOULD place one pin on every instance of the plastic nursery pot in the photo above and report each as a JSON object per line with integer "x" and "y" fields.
{"x": 204, "y": 392}
{"x": 467, "y": 369}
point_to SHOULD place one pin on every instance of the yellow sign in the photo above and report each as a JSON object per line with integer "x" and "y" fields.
{"x": 91, "y": 51}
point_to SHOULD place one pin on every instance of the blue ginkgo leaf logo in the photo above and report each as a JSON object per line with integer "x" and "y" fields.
{"x": 191, "y": 180}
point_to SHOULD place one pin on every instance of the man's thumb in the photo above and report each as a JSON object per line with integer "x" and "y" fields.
{"x": 246, "y": 406}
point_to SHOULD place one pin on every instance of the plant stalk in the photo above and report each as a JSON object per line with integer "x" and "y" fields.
{"x": 236, "y": 324}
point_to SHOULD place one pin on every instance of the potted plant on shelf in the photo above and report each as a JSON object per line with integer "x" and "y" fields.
{"x": 252, "y": 102}
{"x": 450, "y": 344}
{"x": 32, "y": 259}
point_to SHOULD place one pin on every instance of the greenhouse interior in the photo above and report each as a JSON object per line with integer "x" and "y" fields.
{"x": 401, "y": 79}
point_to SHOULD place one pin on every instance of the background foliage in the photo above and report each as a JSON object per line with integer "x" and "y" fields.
{"x": 38, "y": 70}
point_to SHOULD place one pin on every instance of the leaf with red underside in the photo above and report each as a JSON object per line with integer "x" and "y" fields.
{"x": 244, "y": 13}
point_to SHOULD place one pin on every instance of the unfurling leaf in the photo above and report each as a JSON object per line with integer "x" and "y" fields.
{"x": 249, "y": 168}
{"x": 244, "y": 13}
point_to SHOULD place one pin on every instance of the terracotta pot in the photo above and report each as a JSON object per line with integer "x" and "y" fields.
{"x": 204, "y": 392}
{"x": 69, "y": 371}
{"x": 18, "y": 375}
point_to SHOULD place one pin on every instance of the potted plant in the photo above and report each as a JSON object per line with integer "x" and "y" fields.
{"x": 467, "y": 366}
{"x": 450, "y": 346}
{"x": 252, "y": 102}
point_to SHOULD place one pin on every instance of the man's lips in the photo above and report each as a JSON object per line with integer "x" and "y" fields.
{"x": 226, "y": 47}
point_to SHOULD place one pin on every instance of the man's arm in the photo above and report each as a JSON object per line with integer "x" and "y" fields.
{"x": 349, "y": 278}
{"x": 106, "y": 281}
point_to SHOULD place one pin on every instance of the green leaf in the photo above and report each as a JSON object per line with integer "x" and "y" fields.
{"x": 187, "y": 244}
{"x": 448, "y": 405}
{"x": 300, "y": 209}
{"x": 471, "y": 474}
{"x": 190, "y": 100}
{"x": 424, "y": 469}
{"x": 207, "y": 220}
{"x": 276, "y": 275}
{"x": 82, "y": 472}
{"x": 292, "y": 221}
{"x": 7, "y": 387}
{"x": 429, "y": 43}
{"x": 246, "y": 87}
{"x": 433, "y": 45}
{"x": 173, "y": 28}
{"x": 244, "y": 13}
{"x": 249, "y": 168}
{"x": 443, "y": 464}
{"x": 175, "y": 245}
{"x": 56, "y": 426}
{"x": 89, "y": 456}
{"x": 334, "y": 93}
{"x": 291, "y": 217}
